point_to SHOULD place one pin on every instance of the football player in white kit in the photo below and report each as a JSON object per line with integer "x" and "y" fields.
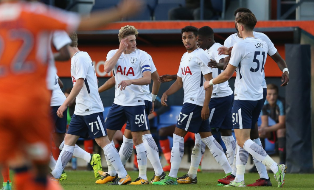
{"x": 132, "y": 71}
{"x": 248, "y": 58}
{"x": 229, "y": 42}
{"x": 61, "y": 41}
{"x": 126, "y": 149}
{"x": 88, "y": 117}
{"x": 194, "y": 115}
{"x": 220, "y": 106}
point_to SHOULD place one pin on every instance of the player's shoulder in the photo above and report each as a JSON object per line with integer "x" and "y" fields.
{"x": 215, "y": 46}
{"x": 81, "y": 55}
{"x": 232, "y": 36}
{"x": 113, "y": 51}
{"x": 261, "y": 36}
{"x": 143, "y": 54}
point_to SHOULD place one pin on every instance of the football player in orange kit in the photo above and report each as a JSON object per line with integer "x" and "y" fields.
{"x": 25, "y": 122}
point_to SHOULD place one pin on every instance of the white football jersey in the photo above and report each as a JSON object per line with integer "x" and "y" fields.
{"x": 59, "y": 39}
{"x": 222, "y": 89}
{"x": 128, "y": 67}
{"x": 192, "y": 68}
{"x": 148, "y": 95}
{"x": 57, "y": 97}
{"x": 249, "y": 56}
{"x": 88, "y": 100}
{"x": 234, "y": 38}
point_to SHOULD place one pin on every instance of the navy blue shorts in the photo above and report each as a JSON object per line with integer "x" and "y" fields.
{"x": 59, "y": 123}
{"x": 148, "y": 108}
{"x": 119, "y": 115}
{"x": 190, "y": 119}
{"x": 221, "y": 112}
{"x": 87, "y": 126}
{"x": 245, "y": 113}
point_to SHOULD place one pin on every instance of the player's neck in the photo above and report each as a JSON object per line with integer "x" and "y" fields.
{"x": 247, "y": 34}
{"x": 128, "y": 51}
{"x": 211, "y": 44}
{"x": 73, "y": 50}
{"x": 191, "y": 50}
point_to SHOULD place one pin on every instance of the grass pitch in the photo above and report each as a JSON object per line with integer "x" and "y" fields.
{"x": 84, "y": 180}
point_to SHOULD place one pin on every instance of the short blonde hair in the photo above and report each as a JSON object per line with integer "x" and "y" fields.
{"x": 74, "y": 39}
{"x": 127, "y": 31}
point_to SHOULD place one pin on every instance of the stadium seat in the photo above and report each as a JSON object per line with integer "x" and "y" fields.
{"x": 104, "y": 4}
{"x": 164, "y": 6}
{"x": 219, "y": 7}
{"x": 171, "y": 116}
{"x": 270, "y": 148}
{"x": 145, "y": 14}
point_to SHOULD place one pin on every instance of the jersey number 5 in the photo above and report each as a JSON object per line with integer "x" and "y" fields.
{"x": 257, "y": 61}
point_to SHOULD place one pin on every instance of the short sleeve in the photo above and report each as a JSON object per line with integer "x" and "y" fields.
{"x": 264, "y": 110}
{"x": 281, "y": 107}
{"x": 217, "y": 57}
{"x": 81, "y": 67}
{"x": 60, "y": 39}
{"x": 49, "y": 18}
{"x": 271, "y": 47}
{"x": 227, "y": 42}
{"x": 203, "y": 59}
{"x": 152, "y": 65}
{"x": 110, "y": 54}
{"x": 236, "y": 54}
{"x": 145, "y": 63}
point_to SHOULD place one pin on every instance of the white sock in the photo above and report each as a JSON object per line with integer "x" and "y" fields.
{"x": 176, "y": 155}
{"x": 152, "y": 153}
{"x": 260, "y": 154}
{"x": 111, "y": 170}
{"x": 142, "y": 160}
{"x": 241, "y": 160}
{"x": 218, "y": 153}
{"x": 64, "y": 157}
{"x": 79, "y": 152}
{"x": 230, "y": 144}
{"x": 196, "y": 156}
{"x": 113, "y": 157}
{"x": 261, "y": 168}
{"x": 52, "y": 163}
{"x": 126, "y": 150}
{"x": 234, "y": 165}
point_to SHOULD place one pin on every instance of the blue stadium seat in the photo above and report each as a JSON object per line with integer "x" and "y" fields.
{"x": 164, "y": 6}
{"x": 145, "y": 14}
{"x": 106, "y": 111}
{"x": 171, "y": 116}
{"x": 104, "y": 4}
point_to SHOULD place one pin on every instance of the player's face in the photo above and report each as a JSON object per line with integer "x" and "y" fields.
{"x": 131, "y": 41}
{"x": 272, "y": 96}
{"x": 189, "y": 40}
{"x": 203, "y": 41}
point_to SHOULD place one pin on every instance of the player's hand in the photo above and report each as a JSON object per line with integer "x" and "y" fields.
{"x": 206, "y": 85}
{"x": 130, "y": 7}
{"x": 60, "y": 111}
{"x": 124, "y": 84}
{"x": 165, "y": 78}
{"x": 123, "y": 45}
{"x": 205, "y": 112}
{"x": 284, "y": 78}
{"x": 164, "y": 99}
{"x": 262, "y": 132}
{"x": 213, "y": 64}
{"x": 224, "y": 50}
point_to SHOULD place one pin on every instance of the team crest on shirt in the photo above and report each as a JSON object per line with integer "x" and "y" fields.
{"x": 133, "y": 60}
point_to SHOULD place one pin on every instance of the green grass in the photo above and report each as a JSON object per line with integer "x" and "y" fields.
{"x": 83, "y": 180}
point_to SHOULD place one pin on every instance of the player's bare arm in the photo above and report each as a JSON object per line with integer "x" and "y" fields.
{"x": 63, "y": 54}
{"x": 281, "y": 64}
{"x": 177, "y": 85}
{"x": 107, "y": 85}
{"x": 74, "y": 92}
{"x": 167, "y": 78}
{"x": 155, "y": 87}
{"x": 223, "y": 62}
{"x": 224, "y": 76}
{"x": 208, "y": 94}
{"x": 224, "y": 50}
{"x": 101, "y": 18}
{"x": 60, "y": 83}
{"x": 109, "y": 65}
{"x": 146, "y": 79}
